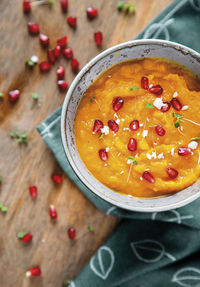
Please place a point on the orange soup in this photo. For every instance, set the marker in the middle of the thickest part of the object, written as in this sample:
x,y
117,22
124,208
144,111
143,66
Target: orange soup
x,y
137,127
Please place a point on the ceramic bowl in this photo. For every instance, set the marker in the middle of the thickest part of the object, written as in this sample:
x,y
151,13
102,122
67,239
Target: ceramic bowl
x,y
126,51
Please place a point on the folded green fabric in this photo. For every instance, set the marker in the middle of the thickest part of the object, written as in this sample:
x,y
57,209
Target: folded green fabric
x,y
147,250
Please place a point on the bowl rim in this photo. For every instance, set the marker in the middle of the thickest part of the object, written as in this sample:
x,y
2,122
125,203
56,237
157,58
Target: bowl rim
x,y
185,50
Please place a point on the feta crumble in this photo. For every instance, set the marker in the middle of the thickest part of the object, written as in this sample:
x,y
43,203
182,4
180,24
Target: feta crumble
x,y
145,133
122,172
172,151
118,121
160,155
154,154
151,85
141,178
193,145
184,108
107,149
158,103
105,130
141,125
175,95
34,59
129,161
148,155
122,120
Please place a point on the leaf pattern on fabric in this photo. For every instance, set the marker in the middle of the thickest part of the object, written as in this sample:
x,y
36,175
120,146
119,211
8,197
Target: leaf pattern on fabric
x,y
187,277
195,5
156,29
171,216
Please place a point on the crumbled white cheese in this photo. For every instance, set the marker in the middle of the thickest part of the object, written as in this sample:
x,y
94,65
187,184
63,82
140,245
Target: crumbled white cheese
x,y
141,125
122,120
129,195
148,155
34,59
115,115
118,121
161,155
155,143
145,133
105,164
150,85
107,149
115,135
105,130
141,178
147,119
175,95
172,151
129,161
125,129
181,128
122,172
119,154
184,108
154,154
158,103
136,155
138,134
193,144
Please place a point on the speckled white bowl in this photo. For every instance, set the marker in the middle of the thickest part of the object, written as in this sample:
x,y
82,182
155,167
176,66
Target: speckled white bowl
x,y
126,51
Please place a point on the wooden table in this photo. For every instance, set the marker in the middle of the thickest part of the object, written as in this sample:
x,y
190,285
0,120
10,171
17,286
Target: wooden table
x,y
59,257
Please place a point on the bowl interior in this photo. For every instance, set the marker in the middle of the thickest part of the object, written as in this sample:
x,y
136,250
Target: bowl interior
x,y
127,51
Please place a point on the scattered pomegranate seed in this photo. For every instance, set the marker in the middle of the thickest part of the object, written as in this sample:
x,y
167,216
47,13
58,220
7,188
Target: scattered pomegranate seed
x,y
103,154
57,178
33,191
62,85
134,125
98,37
184,151
117,104
64,5
72,21
68,53
52,212
176,104
113,126
165,107
14,95
62,42
27,238
132,144
60,72
33,28
26,6
45,66
148,176
51,56
35,271
72,233
91,13
98,125
160,130
57,52
157,90
44,40
145,83
172,172
75,65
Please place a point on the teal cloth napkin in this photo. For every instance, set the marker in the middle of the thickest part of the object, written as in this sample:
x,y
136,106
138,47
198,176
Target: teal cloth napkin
x,y
147,250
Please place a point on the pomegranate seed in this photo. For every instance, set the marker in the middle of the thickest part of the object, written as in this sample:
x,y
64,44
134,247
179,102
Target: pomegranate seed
x,y
157,90
160,130
184,151
98,125
145,83
75,65
113,125
165,107
51,56
44,40
27,238
68,53
45,66
52,212
91,13
72,21
62,42
103,154
26,6
64,5
57,178
60,72
72,233
33,28
62,85
172,172
33,191
98,37
132,144
35,271
148,176
14,95
57,51
176,104
134,125
117,104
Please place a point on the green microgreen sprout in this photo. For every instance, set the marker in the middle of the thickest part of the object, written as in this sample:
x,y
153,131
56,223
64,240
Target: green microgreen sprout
x,y
153,126
51,3
1,96
3,208
1,179
23,138
133,159
195,139
129,9
93,98
101,136
149,106
91,228
29,63
14,135
178,118
20,235
120,5
131,88
35,96
67,283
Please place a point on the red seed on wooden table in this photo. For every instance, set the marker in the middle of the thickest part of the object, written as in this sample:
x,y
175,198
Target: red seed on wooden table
x,y
57,51
176,104
72,233
134,125
51,56
33,28
44,40
157,90
60,72
64,5
33,272
113,126
72,21
45,66
103,154
53,212
33,191
183,151
68,53
26,6
62,42
75,65
172,173
117,104
14,95
63,85
145,83
166,106
98,37
57,178
132,144
27,238
148,176
98,125
160,130
91,13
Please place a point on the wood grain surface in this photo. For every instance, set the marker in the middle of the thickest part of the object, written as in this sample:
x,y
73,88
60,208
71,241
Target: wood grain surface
x,y
59,257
